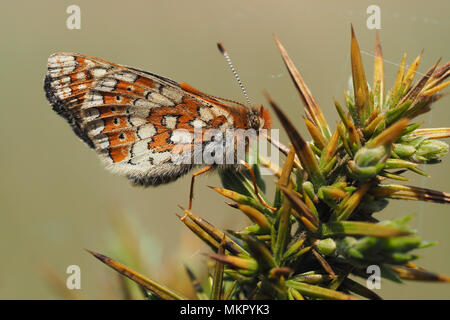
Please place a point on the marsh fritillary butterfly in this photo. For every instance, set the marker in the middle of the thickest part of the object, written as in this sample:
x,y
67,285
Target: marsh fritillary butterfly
x,y
134,119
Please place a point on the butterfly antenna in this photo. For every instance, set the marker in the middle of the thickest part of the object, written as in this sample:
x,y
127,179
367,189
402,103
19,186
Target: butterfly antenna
x,y
230,64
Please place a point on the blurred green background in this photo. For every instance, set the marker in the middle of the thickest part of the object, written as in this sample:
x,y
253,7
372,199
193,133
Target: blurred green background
x,y
55,197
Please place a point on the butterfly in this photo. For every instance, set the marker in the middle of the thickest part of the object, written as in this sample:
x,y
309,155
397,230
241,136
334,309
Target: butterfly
x,y
133,118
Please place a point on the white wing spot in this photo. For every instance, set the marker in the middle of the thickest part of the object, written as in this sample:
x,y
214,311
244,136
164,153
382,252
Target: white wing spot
x,y
170,122
146,131
197,123
137,121
160,157
101,141
220,112
98,72
58,59
145,103
159,99
57,72
139,147
64,93
80,76
206,114
94,99
125,76
107,84
182,136
173,94
60,82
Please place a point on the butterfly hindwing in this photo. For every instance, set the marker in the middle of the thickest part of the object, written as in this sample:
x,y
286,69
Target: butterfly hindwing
x,y
130,117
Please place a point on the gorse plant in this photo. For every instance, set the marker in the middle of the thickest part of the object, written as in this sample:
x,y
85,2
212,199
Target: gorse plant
x,y
324,228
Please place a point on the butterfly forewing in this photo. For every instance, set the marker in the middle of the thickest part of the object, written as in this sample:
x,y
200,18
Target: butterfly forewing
x,y
130,117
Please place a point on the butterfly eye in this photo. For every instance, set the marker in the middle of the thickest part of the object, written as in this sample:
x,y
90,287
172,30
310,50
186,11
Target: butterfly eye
x,y
253,120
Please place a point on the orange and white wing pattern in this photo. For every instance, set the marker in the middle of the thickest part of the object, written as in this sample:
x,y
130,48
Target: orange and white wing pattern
x,y
129,116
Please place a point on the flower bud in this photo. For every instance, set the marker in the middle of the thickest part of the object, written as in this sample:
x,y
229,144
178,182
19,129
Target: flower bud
x,y
404,151
421,149
308,188
430,151
326,246
368,162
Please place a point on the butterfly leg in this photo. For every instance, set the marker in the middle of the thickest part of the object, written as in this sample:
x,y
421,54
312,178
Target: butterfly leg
x,y
255,186
199,172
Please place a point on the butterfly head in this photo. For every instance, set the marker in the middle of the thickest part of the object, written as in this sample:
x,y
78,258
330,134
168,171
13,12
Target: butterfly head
x,y
259,118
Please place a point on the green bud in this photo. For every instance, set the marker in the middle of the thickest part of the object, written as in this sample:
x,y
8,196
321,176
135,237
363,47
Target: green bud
x,y
402,244
308,188
331,193
404,151
326,246
430,151
420,149
368,162
366,157
379,250
252,229
401,258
